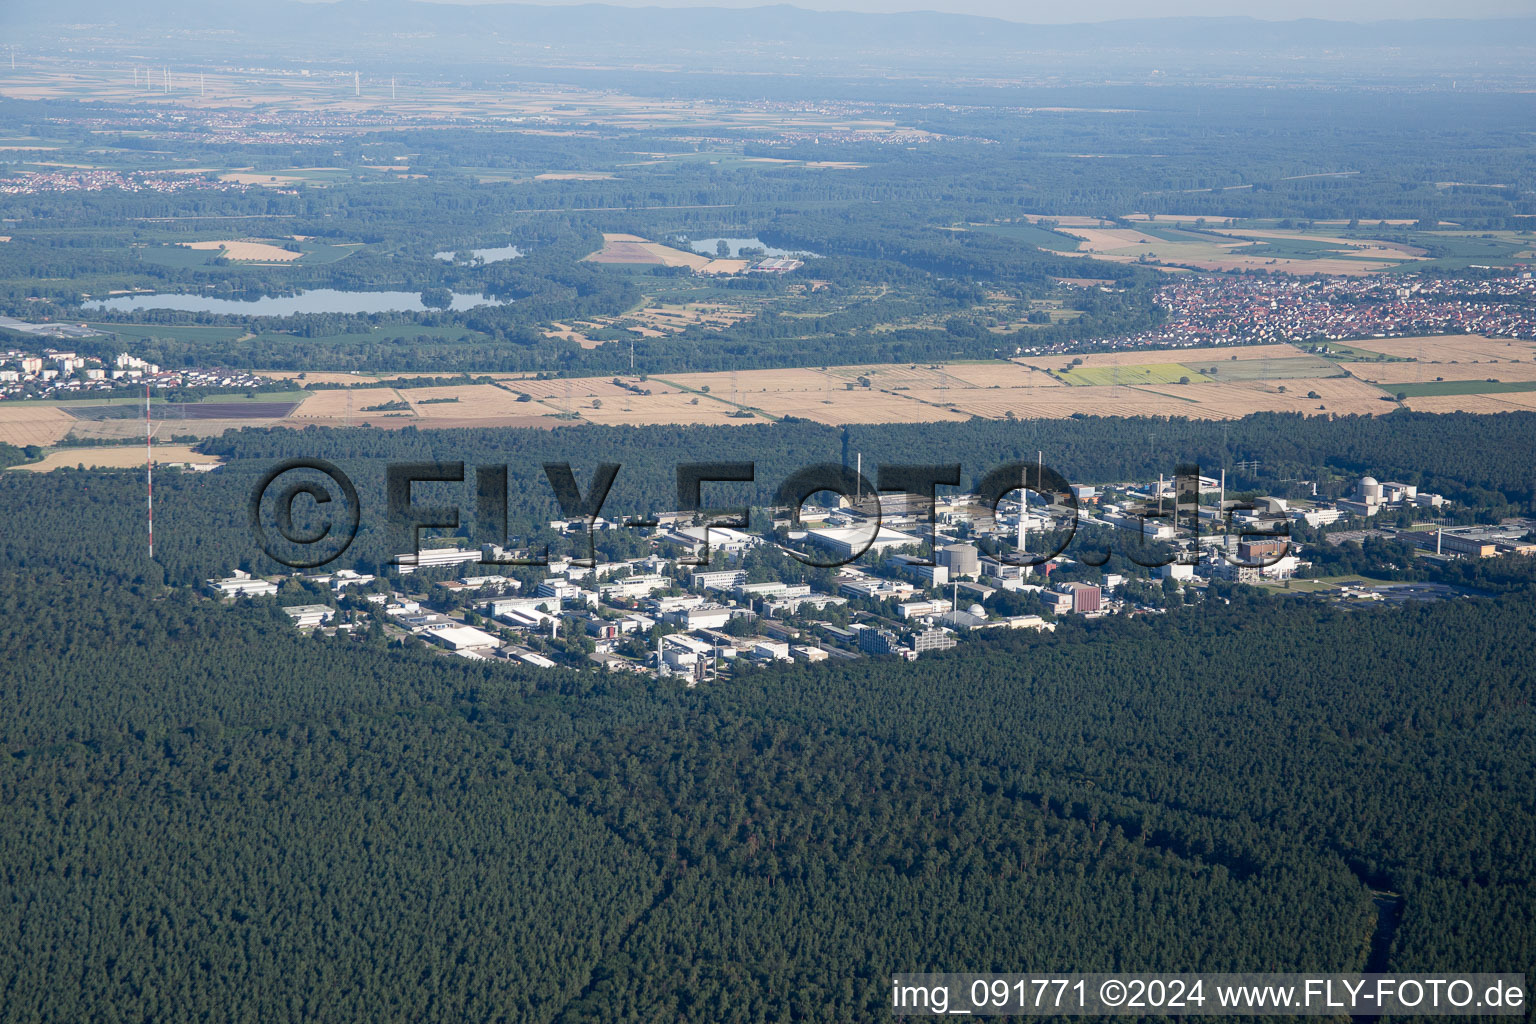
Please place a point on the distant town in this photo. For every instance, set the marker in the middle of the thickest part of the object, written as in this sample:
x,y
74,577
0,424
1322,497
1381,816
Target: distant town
x,y
59,373
1210,309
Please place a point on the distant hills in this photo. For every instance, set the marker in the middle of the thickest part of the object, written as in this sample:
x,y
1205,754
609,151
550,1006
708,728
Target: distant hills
x,y
754,38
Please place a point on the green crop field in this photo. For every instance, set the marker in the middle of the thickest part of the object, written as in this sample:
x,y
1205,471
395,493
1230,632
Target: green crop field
x,y
178,331
317,252
178,256
1030,234
1150,373
1294,368
1339,352
1429,388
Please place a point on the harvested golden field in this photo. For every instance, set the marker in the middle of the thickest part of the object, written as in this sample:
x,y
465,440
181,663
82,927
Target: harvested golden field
x,y
754,382
334,404
673,407
1448,348
674,318
946,375
1514,402
1232,248
1214,356
573,176
564,332
1061,402
633,249
112,430
576,387
470,401
861,406
243,250
1364,247
1387,374
24,423
119,457
1067,222
1215,400
1131,243
1517,399
242,178
1224,399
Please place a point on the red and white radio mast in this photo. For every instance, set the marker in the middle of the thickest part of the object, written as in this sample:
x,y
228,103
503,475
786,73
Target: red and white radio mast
x,y
149,469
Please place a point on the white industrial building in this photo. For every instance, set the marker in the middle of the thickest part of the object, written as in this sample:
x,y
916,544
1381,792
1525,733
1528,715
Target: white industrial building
x,y
718,579
850,540
463,638
241,584
307,616
429,558
633,586
706,617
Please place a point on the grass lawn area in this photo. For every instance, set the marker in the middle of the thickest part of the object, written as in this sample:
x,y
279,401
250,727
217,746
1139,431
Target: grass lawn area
x,y
1424,389
176,331
1339,352
317,252
1030,234
382,333
1299,586
1292,368
1149,373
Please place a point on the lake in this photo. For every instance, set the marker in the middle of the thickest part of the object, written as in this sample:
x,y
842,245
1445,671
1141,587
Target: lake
x,y
505,252
316,300
710,245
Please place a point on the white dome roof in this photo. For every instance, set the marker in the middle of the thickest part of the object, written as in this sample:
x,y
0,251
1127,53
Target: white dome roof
x,y
978,611
1368,481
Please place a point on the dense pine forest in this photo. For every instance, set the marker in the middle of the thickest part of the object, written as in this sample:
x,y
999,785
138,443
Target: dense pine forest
x,y
223,820
210,816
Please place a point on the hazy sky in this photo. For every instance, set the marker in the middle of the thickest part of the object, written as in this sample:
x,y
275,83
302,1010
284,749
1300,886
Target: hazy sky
x,y
1052,11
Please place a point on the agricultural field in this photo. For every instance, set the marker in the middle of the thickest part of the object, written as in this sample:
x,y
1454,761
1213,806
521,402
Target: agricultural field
x,y
1429,389
1148,373
1283,368
1224,383
1269,377
1031,234
670,407
318,177
1241,248
1520,401
1449,349
1218,244
119,456
24,423
264,252
469,400
751,383
1190,356
656,318
247,250
632,250
728,160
